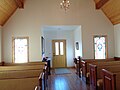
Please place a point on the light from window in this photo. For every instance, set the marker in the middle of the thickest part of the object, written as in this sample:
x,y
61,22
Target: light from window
x,y
56,48
20,50
61,48
100,47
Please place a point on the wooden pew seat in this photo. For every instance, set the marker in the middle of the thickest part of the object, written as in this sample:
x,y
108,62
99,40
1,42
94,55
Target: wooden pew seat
x,y
24,64
22,76
32,67
19,80
19,83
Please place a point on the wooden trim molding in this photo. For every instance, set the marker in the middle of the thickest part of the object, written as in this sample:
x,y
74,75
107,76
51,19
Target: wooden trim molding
x,y
101,3
20,3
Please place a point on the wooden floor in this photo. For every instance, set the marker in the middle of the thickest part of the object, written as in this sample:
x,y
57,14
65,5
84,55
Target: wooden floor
x,y
66,82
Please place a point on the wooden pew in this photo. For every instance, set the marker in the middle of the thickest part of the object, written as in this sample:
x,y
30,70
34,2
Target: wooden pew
x,y
19,80
45,71
111,79
85,67
23,64
95,72
77,62
117,58
2,63
79,66
29,63
42,81
24,73
16,68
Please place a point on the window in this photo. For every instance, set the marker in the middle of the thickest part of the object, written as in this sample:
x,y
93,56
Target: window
x,y
56,48
20,50
59,48
100,50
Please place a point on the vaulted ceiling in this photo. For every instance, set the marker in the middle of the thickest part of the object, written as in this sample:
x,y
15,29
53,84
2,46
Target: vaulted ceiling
x,y
7,8
111,8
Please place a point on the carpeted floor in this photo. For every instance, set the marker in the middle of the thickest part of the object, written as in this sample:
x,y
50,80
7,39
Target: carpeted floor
x,y
62,71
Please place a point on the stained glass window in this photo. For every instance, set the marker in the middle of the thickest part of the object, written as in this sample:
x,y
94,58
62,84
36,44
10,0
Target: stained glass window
x,y
100,47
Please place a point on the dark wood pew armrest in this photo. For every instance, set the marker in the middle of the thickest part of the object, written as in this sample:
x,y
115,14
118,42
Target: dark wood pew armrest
x,y
109,80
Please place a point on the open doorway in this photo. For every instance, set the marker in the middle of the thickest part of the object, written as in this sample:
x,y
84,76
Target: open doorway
x,y
71,34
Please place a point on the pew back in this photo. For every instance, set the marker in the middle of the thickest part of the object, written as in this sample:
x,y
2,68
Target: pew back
x,y
19,79
77,62
21,76
14,68
111,80
85,66
95,72
24,64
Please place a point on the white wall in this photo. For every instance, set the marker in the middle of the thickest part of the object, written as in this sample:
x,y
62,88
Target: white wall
x,y
68,35
78,38
0,42
37,13
117,39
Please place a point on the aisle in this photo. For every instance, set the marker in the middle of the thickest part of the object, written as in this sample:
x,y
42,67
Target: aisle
x,y
66,81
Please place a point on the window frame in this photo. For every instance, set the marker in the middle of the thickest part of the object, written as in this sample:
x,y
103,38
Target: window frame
x,y
106,45
13,47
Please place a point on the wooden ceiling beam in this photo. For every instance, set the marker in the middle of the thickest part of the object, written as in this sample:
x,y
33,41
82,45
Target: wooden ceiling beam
x,y
101,3
20,3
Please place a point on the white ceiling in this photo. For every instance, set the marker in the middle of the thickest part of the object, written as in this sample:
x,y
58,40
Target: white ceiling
x,y
62,27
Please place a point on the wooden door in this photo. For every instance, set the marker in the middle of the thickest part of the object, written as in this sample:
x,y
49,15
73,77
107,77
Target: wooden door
x,y
59,53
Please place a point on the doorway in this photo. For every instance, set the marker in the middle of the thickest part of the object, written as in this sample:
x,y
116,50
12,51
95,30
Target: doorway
x,y
71,34
59,53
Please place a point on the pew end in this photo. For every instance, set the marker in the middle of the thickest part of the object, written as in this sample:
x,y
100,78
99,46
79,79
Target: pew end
x,y
109,80
42,81
85,74
27,74
77,62
93,76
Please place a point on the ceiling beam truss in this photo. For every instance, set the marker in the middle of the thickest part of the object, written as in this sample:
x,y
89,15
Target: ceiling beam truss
x,y
101,3
20,3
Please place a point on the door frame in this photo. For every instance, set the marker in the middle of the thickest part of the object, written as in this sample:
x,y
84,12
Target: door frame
x,y
64,52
